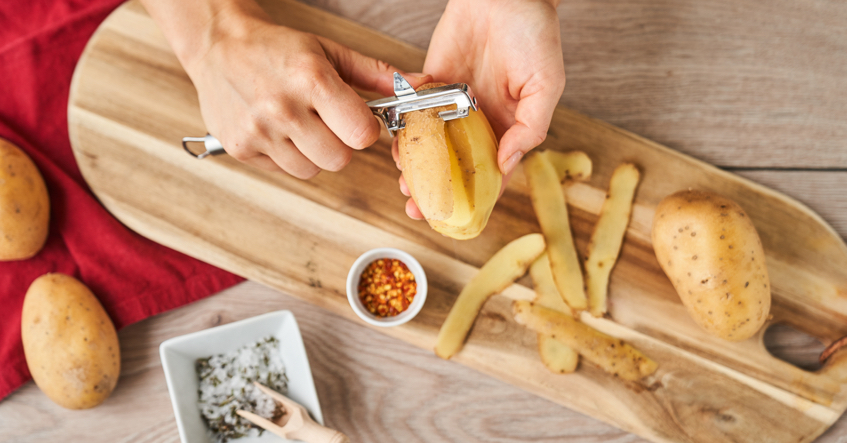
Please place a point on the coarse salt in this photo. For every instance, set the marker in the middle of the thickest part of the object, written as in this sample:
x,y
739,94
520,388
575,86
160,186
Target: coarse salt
x,y
226,385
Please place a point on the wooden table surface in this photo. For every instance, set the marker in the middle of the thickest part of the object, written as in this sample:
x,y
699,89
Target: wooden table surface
x,y
757,88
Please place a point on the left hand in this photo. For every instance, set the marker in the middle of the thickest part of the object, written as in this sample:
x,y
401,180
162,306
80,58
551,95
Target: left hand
x,y
510,52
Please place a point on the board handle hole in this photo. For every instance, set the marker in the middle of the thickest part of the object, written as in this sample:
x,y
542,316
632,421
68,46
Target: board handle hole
x,y
793,346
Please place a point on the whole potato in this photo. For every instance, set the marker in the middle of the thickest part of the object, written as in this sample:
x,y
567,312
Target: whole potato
x,y
450,169
710,250
24,205
70,343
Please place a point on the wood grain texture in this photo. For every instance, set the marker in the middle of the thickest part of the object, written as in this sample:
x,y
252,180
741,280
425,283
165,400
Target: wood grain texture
x,y
698,77
131,103
373,387
734,83
825,192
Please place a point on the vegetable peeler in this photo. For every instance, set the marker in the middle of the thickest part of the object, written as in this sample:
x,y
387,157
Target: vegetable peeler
x,y
390,110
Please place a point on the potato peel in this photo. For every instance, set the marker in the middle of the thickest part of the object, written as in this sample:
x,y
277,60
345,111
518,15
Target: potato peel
x,y
548,200
499,272
571,165
607,239
611,354
557,357
425,160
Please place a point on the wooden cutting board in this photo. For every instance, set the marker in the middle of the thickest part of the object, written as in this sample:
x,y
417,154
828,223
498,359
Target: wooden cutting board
x,y
131,103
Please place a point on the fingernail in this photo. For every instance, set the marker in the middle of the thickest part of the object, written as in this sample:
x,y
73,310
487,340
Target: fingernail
x,y
417,75
510,164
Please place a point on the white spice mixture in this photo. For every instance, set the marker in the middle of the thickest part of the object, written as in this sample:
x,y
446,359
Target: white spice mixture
x,y
226,385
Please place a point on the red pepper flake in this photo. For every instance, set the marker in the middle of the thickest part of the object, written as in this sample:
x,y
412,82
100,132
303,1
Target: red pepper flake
x,y
387,287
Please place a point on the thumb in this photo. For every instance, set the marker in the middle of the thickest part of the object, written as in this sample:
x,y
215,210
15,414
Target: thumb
x,y
415,79
532,119
366,73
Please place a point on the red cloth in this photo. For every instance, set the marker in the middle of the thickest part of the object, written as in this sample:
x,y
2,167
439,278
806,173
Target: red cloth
x,y
134,278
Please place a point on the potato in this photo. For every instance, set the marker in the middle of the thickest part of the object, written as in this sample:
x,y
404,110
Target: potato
x,y
425,159
70,343
499,272
710,250
24,205
451,169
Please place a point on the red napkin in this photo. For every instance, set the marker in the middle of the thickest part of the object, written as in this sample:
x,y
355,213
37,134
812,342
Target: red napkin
x,y
134,278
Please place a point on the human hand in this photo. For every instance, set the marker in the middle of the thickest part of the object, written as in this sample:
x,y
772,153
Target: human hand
x,y
510,52
278,98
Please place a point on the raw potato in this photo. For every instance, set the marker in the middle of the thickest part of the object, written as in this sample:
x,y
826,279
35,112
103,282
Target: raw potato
x,y
548,199
606,241
710,250
451,169
558,358
611,354
70,343
425,159
501,270
24,205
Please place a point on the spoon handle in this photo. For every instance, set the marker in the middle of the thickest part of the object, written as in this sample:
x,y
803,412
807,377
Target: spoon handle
x,y
312,432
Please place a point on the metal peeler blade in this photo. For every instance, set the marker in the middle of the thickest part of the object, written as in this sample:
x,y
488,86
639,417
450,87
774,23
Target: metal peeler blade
x,y
391,109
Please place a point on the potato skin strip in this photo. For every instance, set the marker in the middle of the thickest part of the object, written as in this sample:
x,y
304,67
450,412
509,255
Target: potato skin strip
x,y
557,357
548,200
606,241
499,272
571,165
611,354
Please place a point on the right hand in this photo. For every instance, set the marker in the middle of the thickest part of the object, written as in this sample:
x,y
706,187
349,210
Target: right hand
x,y
278,98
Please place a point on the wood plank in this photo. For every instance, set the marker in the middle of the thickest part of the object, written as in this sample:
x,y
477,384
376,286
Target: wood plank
x,y
823,191
131,104
386,390
734,83
372,387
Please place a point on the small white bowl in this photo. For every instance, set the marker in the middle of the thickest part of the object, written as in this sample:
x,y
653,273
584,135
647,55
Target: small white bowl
x,y
353,286
179,354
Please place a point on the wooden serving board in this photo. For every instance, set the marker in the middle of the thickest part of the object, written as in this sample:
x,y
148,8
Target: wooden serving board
x,y
131,103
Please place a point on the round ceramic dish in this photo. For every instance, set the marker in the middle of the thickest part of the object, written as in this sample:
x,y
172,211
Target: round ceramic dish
x,y
353,282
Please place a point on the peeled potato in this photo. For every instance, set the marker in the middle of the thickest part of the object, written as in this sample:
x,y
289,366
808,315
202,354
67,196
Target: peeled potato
x,y
24,205
70,343
710,250
451,169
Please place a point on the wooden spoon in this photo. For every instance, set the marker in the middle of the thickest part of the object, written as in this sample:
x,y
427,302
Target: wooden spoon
x,y
295,423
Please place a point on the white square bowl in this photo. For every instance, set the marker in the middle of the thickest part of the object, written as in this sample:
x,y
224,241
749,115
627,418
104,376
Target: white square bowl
x,y
180,353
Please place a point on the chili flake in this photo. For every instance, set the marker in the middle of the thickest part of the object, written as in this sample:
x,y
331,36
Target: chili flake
x,y
387,287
